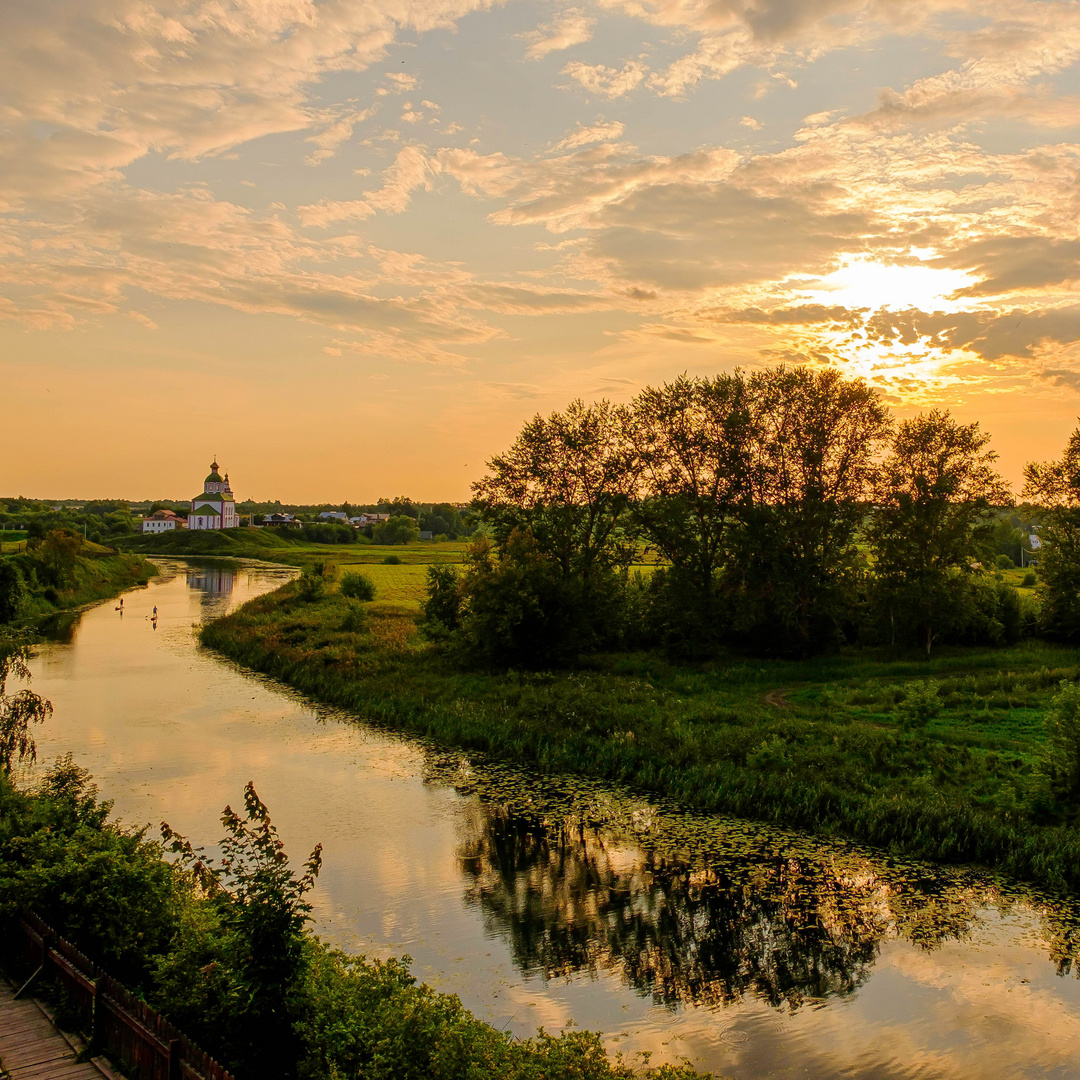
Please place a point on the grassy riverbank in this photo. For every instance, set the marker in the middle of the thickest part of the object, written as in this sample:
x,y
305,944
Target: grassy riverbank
x,y
832,744
92,573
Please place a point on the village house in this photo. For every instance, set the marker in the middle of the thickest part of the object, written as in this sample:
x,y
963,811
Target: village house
x,y
162,521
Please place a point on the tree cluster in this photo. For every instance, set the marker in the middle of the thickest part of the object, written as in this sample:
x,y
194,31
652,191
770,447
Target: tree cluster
x,y
786,510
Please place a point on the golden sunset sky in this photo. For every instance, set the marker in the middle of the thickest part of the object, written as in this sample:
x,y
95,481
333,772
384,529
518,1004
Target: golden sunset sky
x,y
349,246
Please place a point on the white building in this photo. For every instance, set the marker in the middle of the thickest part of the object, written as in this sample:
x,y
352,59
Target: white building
x,y
162,521
215,508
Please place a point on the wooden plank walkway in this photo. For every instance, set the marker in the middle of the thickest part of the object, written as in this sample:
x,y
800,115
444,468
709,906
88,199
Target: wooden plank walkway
x,y
31,1048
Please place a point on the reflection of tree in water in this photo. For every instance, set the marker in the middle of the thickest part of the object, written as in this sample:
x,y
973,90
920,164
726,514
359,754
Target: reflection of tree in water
x,y
785,928
573,903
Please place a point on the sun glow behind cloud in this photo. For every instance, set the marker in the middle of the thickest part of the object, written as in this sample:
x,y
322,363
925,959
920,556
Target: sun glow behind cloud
x,y
862,282
911,368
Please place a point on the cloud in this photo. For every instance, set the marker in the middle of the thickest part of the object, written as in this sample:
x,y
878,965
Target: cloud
x,y
339,130
605,81
89,87
570,27
1069,379
582,136
412,170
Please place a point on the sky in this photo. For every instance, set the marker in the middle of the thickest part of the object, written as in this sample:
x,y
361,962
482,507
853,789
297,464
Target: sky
x,y
349,247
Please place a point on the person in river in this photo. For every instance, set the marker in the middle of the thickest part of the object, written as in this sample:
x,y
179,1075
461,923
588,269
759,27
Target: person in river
x,y
155,611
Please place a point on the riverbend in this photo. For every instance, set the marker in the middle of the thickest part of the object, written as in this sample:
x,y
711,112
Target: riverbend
x,y
755,952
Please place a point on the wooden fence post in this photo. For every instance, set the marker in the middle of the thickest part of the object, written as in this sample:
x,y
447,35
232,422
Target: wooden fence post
x,y
97,1023
46,943
176,1056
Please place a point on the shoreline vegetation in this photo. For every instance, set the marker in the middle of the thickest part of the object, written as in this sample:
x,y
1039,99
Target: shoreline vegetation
x,y
845,745
831,635
223,949
62,573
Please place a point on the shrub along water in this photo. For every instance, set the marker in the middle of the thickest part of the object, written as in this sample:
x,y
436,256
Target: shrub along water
x,y
858,744
63,571
225,951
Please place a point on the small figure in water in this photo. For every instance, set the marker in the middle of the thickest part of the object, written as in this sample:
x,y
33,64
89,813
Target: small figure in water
x,y
121,603
155,611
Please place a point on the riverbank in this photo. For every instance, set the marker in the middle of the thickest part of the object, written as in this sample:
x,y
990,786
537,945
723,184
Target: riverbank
x,y
90,574
833,745
237,969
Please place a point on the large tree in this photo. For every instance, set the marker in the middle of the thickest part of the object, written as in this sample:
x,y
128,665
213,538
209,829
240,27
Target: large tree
x,y
567,480
933,526
814,464
692,440
1054,487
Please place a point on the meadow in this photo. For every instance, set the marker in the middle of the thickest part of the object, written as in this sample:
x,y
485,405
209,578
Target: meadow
x,y
935,758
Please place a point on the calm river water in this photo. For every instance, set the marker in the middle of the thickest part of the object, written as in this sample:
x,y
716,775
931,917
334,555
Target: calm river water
x,y
753,952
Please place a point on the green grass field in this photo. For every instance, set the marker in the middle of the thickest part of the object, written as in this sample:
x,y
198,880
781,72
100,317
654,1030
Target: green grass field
x,y
824,744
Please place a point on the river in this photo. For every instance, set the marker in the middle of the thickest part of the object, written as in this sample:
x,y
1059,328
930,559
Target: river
x,y
752,951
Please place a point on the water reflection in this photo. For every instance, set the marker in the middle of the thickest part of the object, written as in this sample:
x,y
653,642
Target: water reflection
x,y
787,928
757,952
212,581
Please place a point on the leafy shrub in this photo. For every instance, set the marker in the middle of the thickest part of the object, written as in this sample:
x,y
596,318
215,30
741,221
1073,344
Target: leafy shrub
x,y
314,579
1005,563
13,593
107,887
51,595
257,942
357,586
442,608
1061,756
921,705
520,610
356,621
1030,580
392,560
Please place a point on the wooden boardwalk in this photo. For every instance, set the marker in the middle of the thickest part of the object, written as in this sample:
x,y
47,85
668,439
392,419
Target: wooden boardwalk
x,y
31,1048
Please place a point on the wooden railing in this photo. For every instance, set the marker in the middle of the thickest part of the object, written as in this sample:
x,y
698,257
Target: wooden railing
x,y
118,1024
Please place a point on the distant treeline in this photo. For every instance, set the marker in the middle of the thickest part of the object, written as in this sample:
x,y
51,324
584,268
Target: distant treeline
x,y
789,512
104,520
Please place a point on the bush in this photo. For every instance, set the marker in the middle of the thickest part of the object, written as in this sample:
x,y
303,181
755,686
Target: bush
x,y
1061,756
357,587
520,610
1030,580
13,592
356,621
921,705
442,608
313,580
1005,563
392,560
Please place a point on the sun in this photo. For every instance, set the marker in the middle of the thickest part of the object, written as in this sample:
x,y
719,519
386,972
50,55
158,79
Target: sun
x,y
861,282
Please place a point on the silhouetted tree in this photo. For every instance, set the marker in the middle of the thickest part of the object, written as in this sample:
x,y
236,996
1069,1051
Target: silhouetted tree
x,y
933,526
794,562
1054,486
692,441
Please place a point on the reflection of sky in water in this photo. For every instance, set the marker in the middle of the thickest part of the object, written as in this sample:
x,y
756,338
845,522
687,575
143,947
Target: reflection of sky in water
x,y
668,932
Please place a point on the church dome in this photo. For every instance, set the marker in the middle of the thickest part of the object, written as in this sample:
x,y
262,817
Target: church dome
x,y
215,476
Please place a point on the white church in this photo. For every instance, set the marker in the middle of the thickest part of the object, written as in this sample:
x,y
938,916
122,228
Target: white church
x,y
215,508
